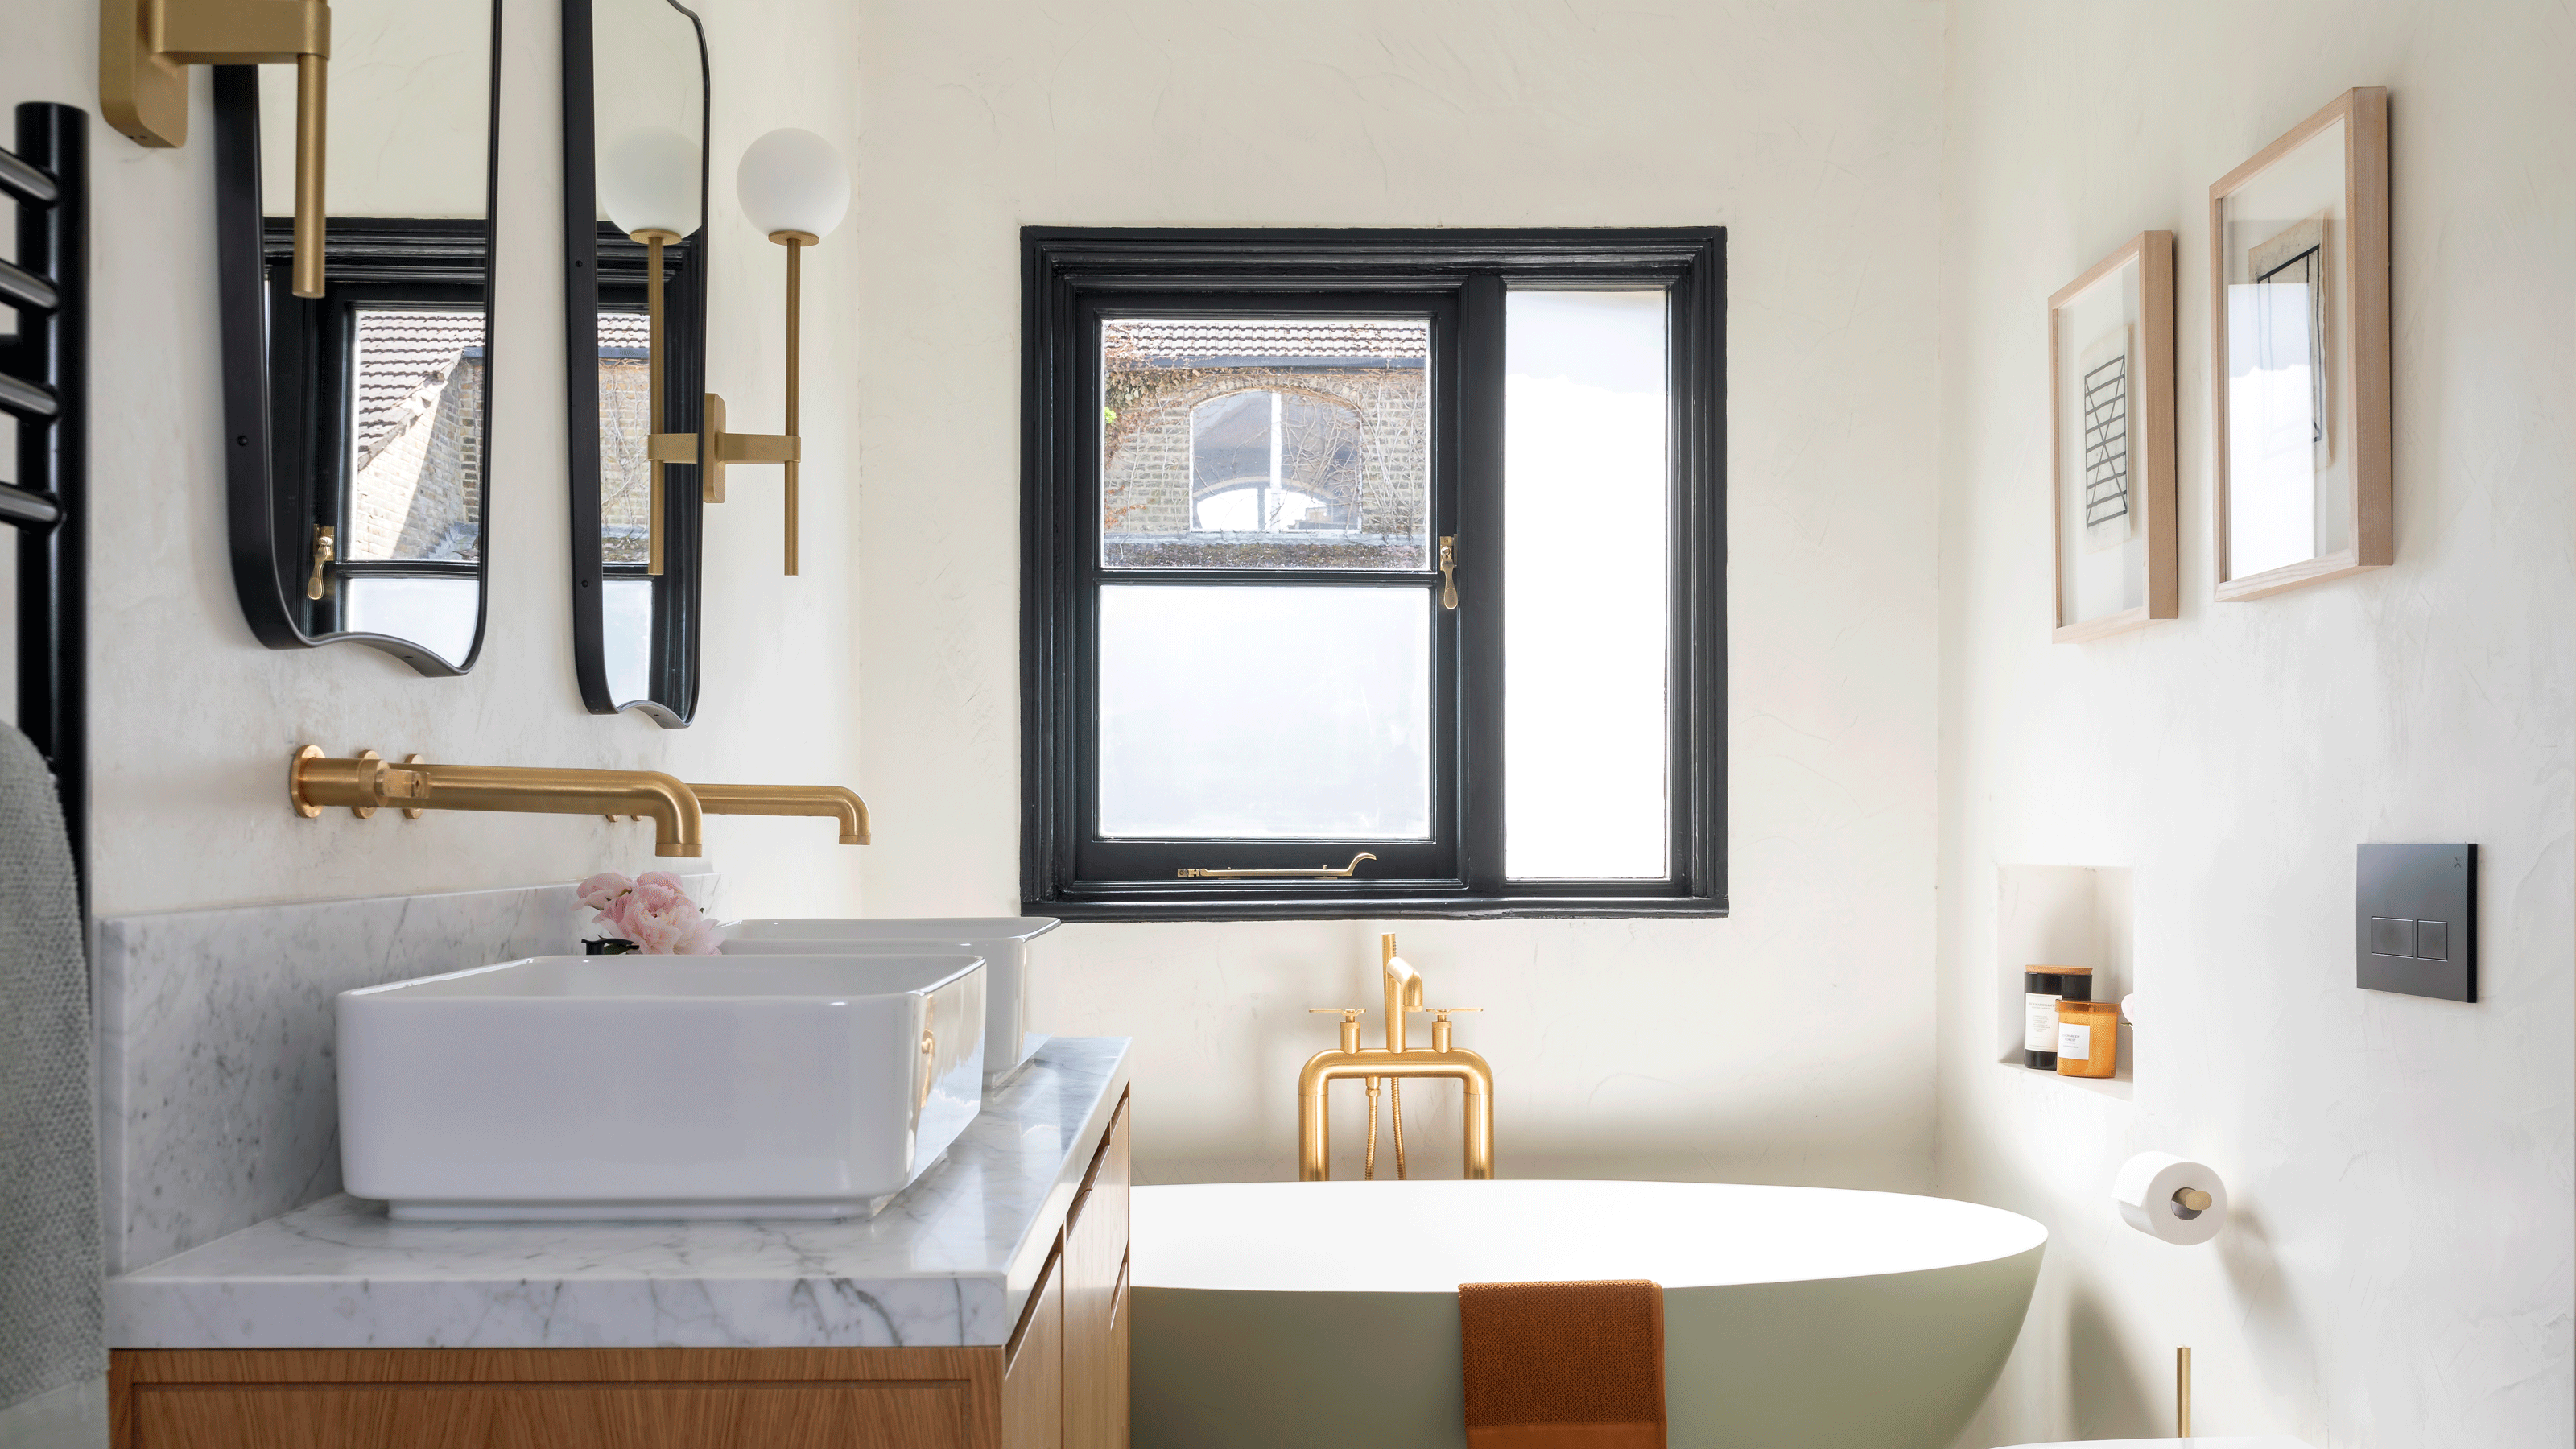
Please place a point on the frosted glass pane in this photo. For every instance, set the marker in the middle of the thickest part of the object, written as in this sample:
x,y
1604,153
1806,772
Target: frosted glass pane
x,y
1586,598
1265,713
437,614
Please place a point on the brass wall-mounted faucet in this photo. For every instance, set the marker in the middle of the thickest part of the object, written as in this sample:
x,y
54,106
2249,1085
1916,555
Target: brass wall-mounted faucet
x,y
1395,1061
828,801
366,784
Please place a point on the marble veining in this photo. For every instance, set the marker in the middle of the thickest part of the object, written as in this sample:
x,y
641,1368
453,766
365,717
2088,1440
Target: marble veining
x,y
218,1098
950,1261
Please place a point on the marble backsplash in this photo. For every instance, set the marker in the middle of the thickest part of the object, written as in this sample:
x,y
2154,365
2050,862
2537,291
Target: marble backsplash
x,y
218,1095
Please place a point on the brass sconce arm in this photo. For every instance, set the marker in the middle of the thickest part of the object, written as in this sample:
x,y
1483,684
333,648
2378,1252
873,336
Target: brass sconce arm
x,y
827,801
146,46
365,784
713,449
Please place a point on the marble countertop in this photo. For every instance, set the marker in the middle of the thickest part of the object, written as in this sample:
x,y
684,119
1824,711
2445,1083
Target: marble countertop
x,y
949,1262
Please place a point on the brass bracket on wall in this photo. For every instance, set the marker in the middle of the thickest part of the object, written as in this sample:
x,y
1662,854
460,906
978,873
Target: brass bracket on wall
x,y
146,46
725,449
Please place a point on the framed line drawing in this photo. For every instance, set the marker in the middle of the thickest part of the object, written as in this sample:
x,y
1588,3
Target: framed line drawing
x,y
2111,408
2299,325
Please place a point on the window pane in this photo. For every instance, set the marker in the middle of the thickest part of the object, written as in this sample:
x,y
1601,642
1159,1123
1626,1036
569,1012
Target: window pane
x,y
625,426
1586,597
1265,713
1265,443
437,614
416,475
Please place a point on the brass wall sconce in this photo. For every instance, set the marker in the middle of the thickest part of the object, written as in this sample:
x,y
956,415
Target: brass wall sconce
x,y
794,188
146,46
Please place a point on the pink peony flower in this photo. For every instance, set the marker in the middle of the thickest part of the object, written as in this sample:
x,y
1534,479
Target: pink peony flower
x,y
598,891
654,912
704,938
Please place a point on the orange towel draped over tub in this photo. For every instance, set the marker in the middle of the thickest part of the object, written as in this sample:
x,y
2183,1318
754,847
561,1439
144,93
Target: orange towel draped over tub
x,y
1563,1365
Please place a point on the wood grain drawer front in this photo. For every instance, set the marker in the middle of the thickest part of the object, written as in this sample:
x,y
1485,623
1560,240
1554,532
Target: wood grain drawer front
x,y
1033,1383
1095,1330
1109,1183
890,1415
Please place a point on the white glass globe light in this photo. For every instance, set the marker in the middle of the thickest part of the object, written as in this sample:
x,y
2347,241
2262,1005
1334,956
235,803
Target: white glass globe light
x,y
648,181
793,181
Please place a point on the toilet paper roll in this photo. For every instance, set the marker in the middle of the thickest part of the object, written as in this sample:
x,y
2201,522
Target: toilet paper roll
x,y
2147,1191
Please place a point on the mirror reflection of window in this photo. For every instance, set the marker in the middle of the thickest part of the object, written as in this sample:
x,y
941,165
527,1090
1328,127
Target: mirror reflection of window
x,y
416,468
625,427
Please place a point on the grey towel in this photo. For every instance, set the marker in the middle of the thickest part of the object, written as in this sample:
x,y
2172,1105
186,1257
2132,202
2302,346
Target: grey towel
x,y
52,1323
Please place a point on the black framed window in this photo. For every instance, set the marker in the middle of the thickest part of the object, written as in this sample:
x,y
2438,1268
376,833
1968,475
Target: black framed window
x,y
1373,573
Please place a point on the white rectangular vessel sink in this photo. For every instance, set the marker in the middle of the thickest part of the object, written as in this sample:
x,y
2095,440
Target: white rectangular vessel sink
x,y
1003,942
625,1087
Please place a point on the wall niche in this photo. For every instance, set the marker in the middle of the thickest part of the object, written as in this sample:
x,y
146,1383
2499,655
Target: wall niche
x,y
2064,915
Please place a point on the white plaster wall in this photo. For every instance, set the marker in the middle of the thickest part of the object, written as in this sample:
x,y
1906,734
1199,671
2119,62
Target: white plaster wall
x,y
192,721
2398,1271
1787,1042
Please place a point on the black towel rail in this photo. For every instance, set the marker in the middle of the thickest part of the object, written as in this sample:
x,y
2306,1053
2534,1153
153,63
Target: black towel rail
x,y
44,384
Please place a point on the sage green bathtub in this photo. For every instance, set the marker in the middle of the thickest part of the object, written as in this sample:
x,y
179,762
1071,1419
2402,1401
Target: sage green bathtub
x,y
1794,1318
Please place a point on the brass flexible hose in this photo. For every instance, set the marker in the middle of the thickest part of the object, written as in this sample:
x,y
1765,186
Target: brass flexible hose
x,y
1395,1110
1368,1160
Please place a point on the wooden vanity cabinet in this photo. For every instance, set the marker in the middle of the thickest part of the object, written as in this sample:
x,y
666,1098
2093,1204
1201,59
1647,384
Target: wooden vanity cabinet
x,y
1095,1302
1060,1383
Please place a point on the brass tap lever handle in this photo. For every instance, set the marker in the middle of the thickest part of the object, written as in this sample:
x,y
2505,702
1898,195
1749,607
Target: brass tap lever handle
x,y
1321,872
1353,1012
325,550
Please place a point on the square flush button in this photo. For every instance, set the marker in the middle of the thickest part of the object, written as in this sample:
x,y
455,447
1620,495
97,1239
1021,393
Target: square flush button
x,y
2415,920
2390,936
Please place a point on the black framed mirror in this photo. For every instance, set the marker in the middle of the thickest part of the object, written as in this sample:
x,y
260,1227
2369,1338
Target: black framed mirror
x,y
358,422
635,93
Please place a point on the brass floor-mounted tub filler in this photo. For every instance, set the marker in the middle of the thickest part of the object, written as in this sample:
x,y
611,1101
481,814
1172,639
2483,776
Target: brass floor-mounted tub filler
x,y
1395,1062
366,783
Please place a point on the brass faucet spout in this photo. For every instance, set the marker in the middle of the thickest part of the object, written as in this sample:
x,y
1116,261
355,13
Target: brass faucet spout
x,y
365,784
828,801
1470,1071
1403,990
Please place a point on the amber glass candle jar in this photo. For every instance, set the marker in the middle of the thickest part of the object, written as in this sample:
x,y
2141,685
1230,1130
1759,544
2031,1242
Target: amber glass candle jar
x,y
2088,1038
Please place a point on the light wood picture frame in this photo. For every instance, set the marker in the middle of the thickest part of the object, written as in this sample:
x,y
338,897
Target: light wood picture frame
x,y
2300,355
2111,398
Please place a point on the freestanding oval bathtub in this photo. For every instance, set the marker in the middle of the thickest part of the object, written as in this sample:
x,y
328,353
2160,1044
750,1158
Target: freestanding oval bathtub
x,y
1306,1313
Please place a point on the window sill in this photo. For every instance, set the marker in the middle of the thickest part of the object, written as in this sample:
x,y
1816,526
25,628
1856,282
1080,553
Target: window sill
x,y
1157,904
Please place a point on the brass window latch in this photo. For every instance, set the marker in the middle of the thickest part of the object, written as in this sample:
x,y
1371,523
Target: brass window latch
x,y
1321,872
1449,571
325,549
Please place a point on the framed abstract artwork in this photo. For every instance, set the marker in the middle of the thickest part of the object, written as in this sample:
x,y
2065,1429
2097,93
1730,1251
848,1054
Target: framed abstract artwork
x,y
2111,402
2299,325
